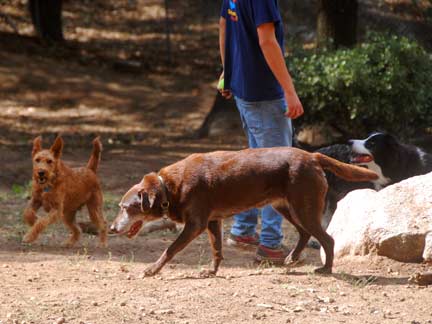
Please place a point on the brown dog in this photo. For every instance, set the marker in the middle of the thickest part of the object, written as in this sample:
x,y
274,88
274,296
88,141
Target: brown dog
x,y
61,191
202,189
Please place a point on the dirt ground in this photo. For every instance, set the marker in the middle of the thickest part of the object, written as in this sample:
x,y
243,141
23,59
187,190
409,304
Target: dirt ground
x,y
146,119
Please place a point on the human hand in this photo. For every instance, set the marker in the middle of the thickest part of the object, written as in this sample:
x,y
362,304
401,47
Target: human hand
x,y
295,107
226,93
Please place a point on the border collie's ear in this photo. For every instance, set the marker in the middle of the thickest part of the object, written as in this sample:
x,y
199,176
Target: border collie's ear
x,y
37,145
391,140
57,147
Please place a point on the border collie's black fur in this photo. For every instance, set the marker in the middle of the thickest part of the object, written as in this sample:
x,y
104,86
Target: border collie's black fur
x,y
394,161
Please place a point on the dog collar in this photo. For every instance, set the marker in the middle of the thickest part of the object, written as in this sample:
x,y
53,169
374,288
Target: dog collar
x,y
165,203
47,189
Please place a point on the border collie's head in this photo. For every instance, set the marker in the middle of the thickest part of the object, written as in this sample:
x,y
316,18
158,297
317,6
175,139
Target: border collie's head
x,y
377,147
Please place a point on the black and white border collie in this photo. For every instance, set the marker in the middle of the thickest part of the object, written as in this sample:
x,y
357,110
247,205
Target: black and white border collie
x,y
381,152
390,159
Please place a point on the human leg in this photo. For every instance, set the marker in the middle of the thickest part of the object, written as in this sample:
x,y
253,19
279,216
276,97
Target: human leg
x,y
273,129
243,230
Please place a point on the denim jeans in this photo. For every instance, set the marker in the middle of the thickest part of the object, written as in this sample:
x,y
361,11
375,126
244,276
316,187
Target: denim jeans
x,y
265,125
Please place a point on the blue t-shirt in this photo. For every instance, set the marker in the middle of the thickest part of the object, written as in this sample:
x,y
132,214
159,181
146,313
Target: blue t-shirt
x,y
247,73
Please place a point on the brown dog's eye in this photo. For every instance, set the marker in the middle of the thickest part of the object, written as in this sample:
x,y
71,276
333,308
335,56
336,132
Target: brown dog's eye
x,y
49,161
37,160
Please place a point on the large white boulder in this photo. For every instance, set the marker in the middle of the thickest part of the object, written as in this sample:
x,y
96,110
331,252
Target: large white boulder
x,y
395,222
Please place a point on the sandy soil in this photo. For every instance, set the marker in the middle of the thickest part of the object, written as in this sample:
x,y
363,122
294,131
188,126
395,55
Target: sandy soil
x,y
46,283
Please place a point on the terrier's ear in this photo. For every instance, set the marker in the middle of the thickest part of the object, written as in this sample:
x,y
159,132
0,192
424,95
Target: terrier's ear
x,y
37,145
57,147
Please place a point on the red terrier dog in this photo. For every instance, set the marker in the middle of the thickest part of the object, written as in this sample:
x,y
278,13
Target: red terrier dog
x,y
62,191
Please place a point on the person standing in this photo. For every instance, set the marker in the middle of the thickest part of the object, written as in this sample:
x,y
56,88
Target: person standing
x,y
251,46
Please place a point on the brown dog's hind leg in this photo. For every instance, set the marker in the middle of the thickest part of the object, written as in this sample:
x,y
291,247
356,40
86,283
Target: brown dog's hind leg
x,y
69,221
94,207
304,236
327,243
309,212
190,231
214,230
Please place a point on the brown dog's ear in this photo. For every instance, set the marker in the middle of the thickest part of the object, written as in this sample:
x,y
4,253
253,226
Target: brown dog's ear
x,y
148,191
57,147
147,199
37,145
151,198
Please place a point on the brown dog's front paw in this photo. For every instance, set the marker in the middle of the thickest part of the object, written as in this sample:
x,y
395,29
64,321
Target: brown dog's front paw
x,y
69,243
102,245
150,271
103,242
291,261
207,273
323,270
28,238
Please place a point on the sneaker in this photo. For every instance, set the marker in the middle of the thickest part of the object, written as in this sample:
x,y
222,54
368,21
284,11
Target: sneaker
x,y
274,255
243,242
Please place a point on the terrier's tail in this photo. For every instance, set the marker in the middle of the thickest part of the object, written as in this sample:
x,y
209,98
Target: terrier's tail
x,y
93,162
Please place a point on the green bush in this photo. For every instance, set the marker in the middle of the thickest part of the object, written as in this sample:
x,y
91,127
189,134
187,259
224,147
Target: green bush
x,y
384,83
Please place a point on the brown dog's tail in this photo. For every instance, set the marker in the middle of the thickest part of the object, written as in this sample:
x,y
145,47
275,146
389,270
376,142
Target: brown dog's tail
x,y
345,171
93,162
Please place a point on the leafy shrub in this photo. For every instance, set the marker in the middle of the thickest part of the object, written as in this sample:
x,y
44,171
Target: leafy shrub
x,y
384,83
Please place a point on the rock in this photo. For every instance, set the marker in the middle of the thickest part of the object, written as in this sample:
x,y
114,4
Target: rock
x,y
265,306
60,320
421,279
395,222
427,252
159,225
326,300
164,311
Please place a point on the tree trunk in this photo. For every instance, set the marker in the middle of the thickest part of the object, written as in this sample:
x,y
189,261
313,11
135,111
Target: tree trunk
x,y
46,16
222,120
337,23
